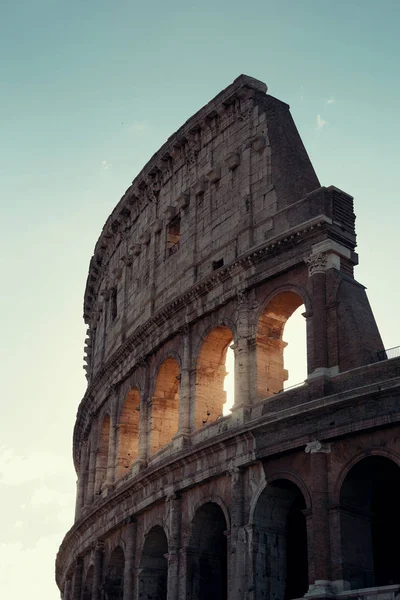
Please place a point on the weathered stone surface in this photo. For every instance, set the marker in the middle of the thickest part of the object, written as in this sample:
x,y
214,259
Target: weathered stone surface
x,y
220,238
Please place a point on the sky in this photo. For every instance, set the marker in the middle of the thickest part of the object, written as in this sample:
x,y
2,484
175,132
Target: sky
x,y
89,90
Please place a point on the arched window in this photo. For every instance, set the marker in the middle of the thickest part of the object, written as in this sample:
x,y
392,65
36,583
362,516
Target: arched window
x,y
114,576
210,375
272,361
165,405
207,555
102,454
280,543
370,523
153,576
128,432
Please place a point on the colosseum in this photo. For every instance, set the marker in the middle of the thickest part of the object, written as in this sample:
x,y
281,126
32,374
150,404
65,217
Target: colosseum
x,y
290,492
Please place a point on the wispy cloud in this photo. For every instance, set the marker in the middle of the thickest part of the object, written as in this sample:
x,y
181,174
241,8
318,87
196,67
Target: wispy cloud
x,y
105,165
320,122
331,100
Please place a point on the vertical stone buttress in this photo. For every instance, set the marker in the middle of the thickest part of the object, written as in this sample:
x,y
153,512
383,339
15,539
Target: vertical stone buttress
x,y
80,484
184,400
317,272
78,576
237,556
175,521
112,442
242,352
98,570
320,551
141,459
130,551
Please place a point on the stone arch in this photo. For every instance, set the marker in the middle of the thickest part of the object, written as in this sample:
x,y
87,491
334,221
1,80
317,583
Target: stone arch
x,y
114,575
210,374
377,451
272,317
207,555
128,432
153,568
278,475
88,584
213,498
280,557
165,405
102,452
370,522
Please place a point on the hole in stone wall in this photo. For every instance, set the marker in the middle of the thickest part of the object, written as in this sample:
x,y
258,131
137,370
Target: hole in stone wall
x,y
272,372
128,432
217,264
114,576
229,381
102,454
165,405
173,236
153,578
210,375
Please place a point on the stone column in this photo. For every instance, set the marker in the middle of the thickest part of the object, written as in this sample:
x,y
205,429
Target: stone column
x,y
98,570
130,551
320,551
112,443
242,357
317,265
184,396
78,575
175,521
82,481
237,554
141,459
91,476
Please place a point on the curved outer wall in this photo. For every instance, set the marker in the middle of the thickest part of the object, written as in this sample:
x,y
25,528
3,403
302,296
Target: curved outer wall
x,y
224,233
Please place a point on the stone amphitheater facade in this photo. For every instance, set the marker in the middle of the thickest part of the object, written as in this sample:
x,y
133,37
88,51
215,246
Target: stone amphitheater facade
x,y
220,238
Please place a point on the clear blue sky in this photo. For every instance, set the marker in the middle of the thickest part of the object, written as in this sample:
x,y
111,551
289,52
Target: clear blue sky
x,y
89,90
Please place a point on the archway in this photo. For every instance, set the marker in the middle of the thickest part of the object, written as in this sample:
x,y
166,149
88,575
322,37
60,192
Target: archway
x,y
271,371
210,375
87,588
207,555
102,454
114,576
153,577
370,523
280,558
128,432
165,405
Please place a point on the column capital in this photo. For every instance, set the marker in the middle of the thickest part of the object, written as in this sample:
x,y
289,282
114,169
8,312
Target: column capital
x,y
317,263
317,446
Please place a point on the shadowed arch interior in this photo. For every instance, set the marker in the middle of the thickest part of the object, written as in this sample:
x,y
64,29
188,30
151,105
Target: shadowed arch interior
x,y
207,555
128,432
153,576
280,536
370,523
102,454
165,405
271,372
114,576
210,375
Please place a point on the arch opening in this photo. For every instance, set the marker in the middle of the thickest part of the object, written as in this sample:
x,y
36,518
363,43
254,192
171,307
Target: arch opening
x,y
128,432
165,405
102,454
282,315
87,588
153,578
280,543
211,376
207,572
114,576
370,523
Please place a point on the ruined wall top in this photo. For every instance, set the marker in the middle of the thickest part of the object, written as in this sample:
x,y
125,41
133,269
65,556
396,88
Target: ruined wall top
x,y
228,180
